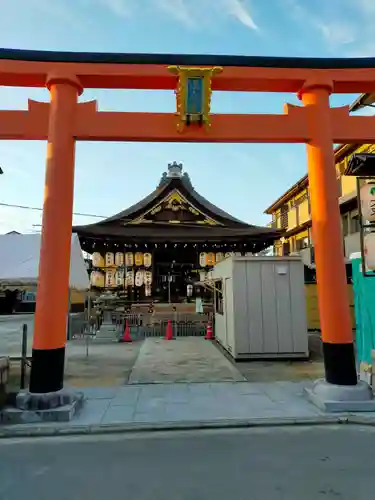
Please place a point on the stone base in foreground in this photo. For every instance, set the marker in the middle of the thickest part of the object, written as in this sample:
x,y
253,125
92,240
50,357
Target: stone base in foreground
x,y
341,398
58,406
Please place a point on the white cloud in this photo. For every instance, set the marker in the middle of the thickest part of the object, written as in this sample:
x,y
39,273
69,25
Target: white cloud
x,y
347,27
239,10
336,33
191,13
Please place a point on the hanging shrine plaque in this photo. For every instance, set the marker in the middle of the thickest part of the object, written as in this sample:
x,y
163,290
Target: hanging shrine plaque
x,y
147,257
138,259
129,259
202,259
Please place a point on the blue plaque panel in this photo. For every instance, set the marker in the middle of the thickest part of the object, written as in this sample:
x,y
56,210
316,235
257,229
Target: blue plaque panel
x,y
194,96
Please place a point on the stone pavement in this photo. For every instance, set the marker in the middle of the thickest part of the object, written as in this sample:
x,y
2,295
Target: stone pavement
x,y
178,406
186,359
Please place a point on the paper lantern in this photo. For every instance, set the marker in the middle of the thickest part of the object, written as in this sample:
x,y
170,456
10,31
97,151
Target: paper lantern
x,y
367,196
210,259
138,259
109,259
129,259
147,257
109,279
97,260
139,278
119,278
97,279
130,278
219,257
148,277
202,259
148,290
119,259
369,251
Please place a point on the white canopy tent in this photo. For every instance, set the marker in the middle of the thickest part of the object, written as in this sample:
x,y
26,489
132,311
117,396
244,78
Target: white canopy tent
x,y
19,261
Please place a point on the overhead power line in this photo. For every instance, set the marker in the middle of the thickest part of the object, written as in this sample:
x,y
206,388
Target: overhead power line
x,y
25,207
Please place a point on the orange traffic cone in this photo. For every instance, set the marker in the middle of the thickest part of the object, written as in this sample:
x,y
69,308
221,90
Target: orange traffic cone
x,y
126,337
209,332
168,331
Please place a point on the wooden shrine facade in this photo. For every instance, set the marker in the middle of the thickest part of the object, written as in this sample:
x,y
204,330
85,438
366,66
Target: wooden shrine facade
x,y
161,247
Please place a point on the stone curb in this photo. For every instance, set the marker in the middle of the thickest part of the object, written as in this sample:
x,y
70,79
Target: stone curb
x,y
74,430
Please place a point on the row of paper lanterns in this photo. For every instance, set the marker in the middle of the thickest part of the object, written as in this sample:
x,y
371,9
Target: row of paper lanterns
x,y
128,259
138,259
117,278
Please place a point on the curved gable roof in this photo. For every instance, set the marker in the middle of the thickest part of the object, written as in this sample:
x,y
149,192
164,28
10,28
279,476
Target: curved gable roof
x,y
166,185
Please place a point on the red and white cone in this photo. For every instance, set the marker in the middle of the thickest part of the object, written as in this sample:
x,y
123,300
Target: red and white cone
x,y
126,337
168,331
209,332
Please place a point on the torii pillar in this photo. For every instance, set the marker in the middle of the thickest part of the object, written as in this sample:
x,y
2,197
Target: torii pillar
x,y
341,383
48,352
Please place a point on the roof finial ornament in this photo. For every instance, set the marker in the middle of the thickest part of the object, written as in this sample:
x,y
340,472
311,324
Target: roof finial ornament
x,y
175,169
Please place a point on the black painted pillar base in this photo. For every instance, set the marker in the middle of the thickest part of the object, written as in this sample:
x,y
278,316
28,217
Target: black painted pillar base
x,y
339,364
47,370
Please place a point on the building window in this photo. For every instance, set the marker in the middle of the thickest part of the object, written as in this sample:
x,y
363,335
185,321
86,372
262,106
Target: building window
x,y
219,302
284,216
345,225
302,243
354,224
286,248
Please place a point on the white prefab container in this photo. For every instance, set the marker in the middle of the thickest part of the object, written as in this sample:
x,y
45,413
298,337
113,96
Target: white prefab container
x,y
261,312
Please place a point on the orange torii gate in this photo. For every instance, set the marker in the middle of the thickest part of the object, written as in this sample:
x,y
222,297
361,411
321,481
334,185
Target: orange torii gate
x,y
63,121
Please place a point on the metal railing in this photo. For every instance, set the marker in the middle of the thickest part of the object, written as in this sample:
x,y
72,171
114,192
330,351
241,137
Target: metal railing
x,y
143,325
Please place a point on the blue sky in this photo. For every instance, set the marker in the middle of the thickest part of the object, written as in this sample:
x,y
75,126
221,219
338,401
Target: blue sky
x,y
242,179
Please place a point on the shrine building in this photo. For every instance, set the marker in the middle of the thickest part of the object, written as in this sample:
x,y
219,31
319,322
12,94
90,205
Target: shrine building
x,y
161,247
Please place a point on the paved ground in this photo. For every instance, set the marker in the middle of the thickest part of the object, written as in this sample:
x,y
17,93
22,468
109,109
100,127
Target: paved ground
x,y
269,371
186,359
105,365
274,464
11,333
155,406
110,364
194,403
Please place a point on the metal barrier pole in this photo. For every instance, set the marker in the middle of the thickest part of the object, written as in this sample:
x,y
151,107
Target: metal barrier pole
x,y
88,336
23,356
